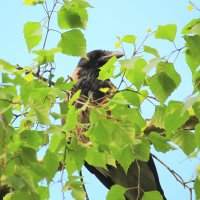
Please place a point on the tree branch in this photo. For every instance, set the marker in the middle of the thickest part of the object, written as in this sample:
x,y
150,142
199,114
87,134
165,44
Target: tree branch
x,y
176,175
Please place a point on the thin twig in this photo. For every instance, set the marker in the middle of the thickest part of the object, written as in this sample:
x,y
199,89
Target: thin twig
x,y
84,188
194,5
176,175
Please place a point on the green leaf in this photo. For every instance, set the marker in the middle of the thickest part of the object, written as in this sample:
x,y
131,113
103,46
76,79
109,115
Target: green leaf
x,y
33,2
129,39
126,98
72,16
6,66
73,43
32,139
175,116
152,51
71,119
62,85
185,140
76,186
192,52
45,56
152,195
158,116
197,135
116,192
25,176
96,158
191,101
142,150
51,163
101,130
28,157
134,70
166,32
42,112
196,29
107,70
160,143
4,106
44,192
197,188
165,81
77,191
125,158
188,28
74,97
32,34
196,81
196,108
152,63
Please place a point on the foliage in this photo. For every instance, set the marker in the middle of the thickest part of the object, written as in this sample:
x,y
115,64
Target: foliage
x,y
30,118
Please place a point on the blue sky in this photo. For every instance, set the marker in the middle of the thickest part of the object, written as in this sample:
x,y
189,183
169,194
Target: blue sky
x,y
108,19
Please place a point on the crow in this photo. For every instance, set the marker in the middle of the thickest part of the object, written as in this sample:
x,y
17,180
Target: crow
x,y
86,74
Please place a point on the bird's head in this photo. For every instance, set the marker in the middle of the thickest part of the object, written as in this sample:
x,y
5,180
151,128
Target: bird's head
x,y
97,58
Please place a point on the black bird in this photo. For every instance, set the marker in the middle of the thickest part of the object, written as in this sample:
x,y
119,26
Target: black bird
x,y
86,74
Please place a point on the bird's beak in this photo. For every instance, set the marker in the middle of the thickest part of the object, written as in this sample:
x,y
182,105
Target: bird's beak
x,y
110,54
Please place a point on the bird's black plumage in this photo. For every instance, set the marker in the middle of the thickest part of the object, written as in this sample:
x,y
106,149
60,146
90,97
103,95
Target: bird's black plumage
x,y
86,75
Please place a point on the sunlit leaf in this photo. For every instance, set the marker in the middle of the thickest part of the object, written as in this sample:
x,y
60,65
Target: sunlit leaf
x,y
196,108
42,112
127,97
73,43
152,63
117,44
29,77
45,56
185,140
167,32
190,7
197,135
72,16
126,158
107,70
196,29
72,116
165,81
152,51
116,192
142,150
51,163
96,158
6,66
149,30
192,52
189,102
104,90
32,34
160,143
197,188
188,28
134,70
175,116
129,39
158,116
152,195
33,2
76,186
